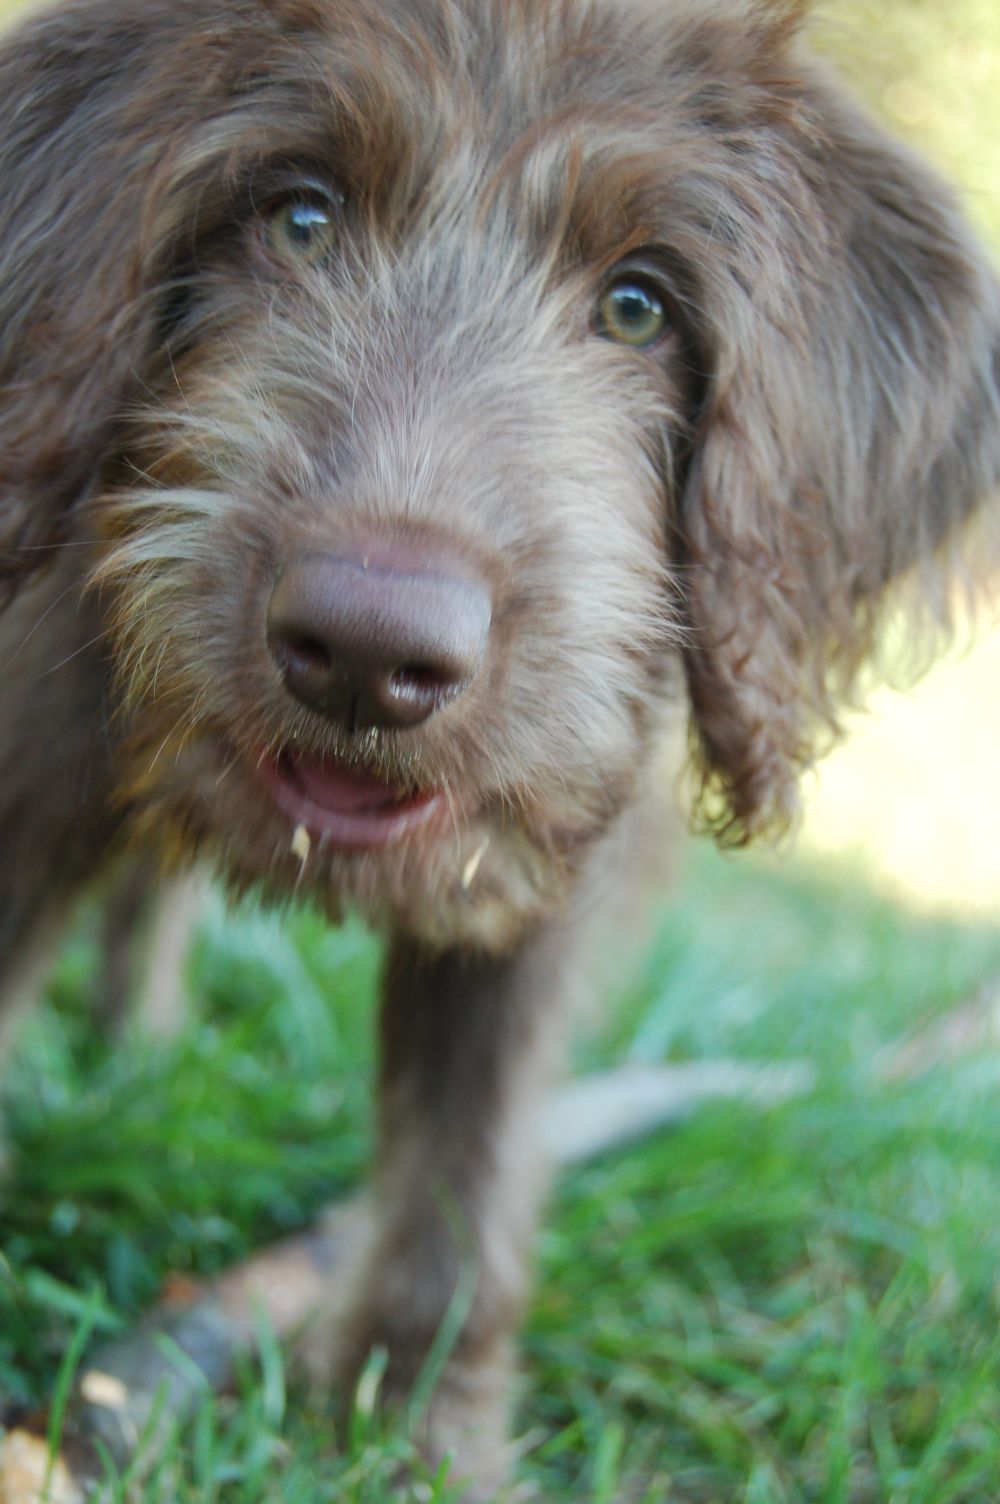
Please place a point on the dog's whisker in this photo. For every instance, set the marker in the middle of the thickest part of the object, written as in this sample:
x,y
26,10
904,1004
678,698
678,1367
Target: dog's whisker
x,y
82,648
36,626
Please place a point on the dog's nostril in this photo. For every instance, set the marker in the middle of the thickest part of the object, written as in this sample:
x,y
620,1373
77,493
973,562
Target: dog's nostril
x,y
417,682
305,654
382,641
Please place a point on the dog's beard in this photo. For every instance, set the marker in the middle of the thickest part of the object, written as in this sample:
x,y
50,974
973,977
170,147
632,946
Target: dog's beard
x,y
478,874
503,838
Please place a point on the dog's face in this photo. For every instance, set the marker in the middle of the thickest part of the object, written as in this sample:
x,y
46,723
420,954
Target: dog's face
x,y
439,378
423,328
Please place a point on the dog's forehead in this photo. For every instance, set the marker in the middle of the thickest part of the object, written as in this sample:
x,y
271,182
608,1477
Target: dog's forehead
x,y
517,60
421,101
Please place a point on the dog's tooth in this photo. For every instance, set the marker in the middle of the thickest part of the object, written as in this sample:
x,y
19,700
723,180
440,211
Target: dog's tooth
x,y
473,865
301,844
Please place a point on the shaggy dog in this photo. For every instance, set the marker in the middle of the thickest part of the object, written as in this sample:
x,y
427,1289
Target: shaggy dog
x,y
405,407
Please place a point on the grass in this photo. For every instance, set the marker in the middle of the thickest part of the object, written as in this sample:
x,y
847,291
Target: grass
x,y
795,1306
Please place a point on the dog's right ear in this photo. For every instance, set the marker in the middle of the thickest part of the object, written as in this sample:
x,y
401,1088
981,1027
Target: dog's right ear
x,y
849,446
94,98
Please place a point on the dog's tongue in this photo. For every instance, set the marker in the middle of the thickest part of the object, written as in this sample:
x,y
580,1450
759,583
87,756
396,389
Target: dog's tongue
x,y
340,789
344,807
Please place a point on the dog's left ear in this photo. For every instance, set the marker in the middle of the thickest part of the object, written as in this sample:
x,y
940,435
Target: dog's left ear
x,y
851,429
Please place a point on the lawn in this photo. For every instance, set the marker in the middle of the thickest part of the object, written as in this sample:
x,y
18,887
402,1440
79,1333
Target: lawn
x,y
794,1305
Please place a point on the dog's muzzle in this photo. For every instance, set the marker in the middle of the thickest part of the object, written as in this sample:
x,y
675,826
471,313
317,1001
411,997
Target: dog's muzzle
x,y
377,636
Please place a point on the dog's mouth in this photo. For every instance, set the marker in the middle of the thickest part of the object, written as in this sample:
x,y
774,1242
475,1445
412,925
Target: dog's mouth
x,y
344,806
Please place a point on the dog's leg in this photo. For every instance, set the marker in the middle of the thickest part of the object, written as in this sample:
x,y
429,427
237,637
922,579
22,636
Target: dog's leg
x,y
146,933
466,1046
56,756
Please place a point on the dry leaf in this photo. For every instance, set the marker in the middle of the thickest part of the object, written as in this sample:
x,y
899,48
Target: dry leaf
x,y
24,1468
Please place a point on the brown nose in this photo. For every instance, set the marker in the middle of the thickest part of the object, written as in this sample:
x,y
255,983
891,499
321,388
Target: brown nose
x,y
377,642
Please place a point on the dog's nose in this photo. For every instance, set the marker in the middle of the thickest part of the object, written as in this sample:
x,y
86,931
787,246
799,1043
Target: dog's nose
x,y
377,640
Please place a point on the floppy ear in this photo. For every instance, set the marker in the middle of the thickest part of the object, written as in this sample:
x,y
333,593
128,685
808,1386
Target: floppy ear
x,y
93,99
852,428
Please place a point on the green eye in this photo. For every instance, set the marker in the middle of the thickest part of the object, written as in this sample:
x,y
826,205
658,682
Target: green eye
x,y
631,312
300,231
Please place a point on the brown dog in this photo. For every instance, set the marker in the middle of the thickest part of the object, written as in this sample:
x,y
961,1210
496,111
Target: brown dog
x,y
404,406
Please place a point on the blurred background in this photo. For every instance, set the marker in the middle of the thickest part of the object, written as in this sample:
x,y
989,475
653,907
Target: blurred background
x,y
784,1302
913,796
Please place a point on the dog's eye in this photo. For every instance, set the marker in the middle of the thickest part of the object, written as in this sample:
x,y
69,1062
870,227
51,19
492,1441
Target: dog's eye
x,y
300,231
631,312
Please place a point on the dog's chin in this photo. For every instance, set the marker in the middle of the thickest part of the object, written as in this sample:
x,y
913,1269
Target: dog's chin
x,y
348,808
446,866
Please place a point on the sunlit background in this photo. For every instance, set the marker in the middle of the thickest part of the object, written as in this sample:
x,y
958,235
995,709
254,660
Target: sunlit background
x,y
915,797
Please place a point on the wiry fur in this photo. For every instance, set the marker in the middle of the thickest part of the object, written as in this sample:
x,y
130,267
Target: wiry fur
x,y
178,418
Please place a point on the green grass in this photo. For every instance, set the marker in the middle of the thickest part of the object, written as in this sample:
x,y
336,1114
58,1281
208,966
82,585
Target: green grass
x,y
788,1305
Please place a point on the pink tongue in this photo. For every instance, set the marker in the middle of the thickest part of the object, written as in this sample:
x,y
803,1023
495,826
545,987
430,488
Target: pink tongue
x,y
338,789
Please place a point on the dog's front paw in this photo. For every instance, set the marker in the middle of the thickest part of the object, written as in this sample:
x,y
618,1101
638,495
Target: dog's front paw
x,y
453,1411
464,1420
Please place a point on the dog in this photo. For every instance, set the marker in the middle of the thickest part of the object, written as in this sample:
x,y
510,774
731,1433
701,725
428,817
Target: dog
x,y
408,410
